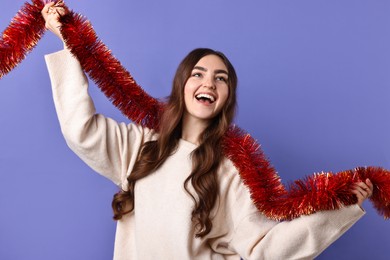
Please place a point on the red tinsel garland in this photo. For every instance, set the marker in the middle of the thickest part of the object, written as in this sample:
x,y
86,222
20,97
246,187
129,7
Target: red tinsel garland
x,y
323,191
21,36
108,73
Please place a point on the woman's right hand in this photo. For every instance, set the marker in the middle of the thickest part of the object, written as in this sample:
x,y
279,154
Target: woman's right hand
x,y
51,13
363,190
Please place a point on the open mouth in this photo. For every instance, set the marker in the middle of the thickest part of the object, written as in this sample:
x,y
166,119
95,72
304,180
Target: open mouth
x,y
205,98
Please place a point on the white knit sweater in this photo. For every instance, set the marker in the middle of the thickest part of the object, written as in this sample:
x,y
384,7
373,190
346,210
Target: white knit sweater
x,y
160,227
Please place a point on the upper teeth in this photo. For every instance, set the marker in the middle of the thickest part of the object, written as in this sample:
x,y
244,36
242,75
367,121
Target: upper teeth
x,y
206,96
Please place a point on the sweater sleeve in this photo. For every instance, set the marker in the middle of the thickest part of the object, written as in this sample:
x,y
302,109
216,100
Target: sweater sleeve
x,y
256,237
108,147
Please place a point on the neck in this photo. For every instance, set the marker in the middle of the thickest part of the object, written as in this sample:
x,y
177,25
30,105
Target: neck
x,y
192,128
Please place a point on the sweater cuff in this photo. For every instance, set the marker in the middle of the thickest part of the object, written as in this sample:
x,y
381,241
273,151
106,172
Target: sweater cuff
x,y
60,65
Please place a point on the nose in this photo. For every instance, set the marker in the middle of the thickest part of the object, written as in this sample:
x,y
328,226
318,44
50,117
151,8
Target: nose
x,y
209,82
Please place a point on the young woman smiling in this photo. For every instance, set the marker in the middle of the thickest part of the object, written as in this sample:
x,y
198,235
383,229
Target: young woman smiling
x,y
180,198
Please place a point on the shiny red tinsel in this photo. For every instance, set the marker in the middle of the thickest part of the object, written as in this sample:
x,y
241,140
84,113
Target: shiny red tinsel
x,y
321,191
108,73
21,36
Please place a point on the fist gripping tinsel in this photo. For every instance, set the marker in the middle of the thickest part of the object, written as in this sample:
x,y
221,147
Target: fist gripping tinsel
x,y
321,191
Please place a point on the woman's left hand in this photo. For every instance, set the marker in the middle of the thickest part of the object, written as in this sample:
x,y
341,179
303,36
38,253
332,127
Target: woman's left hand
x,y
51,12
363,190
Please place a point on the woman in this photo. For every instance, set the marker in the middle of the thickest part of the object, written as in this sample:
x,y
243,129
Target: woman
x,y
180,198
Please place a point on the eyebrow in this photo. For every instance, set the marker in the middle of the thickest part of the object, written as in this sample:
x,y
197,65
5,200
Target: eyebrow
x,y
216,71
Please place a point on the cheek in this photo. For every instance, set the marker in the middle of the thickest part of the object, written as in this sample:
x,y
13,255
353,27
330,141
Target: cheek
x,y
188,88
188,93
224,95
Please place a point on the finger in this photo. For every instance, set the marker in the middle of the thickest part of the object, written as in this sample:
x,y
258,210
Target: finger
x,y
60,3
357,193
45,10
360,191
361,184
54,11
367,190
47,6
61,11
51,1
359,197
371,187
370,184
365,187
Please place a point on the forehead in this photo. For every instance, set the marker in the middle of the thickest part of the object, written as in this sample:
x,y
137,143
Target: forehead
x,y
211,62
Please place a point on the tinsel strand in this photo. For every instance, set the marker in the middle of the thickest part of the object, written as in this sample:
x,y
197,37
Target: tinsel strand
x,y
108,73
322,191
21,36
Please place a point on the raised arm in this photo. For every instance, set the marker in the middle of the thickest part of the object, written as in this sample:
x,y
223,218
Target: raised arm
x,y
108,147
322,191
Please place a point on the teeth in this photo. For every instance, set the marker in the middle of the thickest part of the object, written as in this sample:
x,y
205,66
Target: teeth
x,y
211,98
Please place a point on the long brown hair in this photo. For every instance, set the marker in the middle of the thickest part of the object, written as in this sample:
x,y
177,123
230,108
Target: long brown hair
x,y
206,158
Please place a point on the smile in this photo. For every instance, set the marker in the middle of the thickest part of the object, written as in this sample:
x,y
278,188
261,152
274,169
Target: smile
x,y
205,98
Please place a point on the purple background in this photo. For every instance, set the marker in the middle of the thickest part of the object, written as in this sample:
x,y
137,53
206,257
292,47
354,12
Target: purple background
x,y
314,89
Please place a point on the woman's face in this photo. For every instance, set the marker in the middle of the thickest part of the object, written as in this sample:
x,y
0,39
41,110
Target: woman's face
x,y
206,90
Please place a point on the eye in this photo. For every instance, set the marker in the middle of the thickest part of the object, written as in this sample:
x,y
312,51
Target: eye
x,y
221,78
196,74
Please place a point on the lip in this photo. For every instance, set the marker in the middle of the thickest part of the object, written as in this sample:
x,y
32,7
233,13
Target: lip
x,y
207,93
207,104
